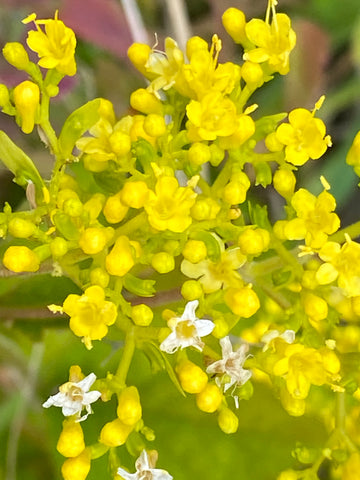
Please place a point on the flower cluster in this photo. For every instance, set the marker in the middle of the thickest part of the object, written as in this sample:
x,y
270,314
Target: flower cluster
x,y
157,204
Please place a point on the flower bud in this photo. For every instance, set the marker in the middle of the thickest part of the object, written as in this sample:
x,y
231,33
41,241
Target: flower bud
x,y
145,102
315,307
209,399
129,408
191,290
142,315
242,301
77,468
254,241
284,182
4,95
234,22
228,421
192,378
93,240
154,125
199,153
71,441
21,259
120,260
15,54
115,210
27,99
252,73
163,262
134,194
120,143
115,433
21,228
138,54
98,276
59,247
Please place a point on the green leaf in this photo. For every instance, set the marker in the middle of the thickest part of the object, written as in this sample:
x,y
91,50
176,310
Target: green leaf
x,y
21,166
77,123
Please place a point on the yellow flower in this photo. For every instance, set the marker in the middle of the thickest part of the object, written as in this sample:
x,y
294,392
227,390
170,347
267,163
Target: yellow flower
x,y
213,275
273,42
316,219
341,263
55,47
215,115
169,206
303,137
27,100
303,366
90,314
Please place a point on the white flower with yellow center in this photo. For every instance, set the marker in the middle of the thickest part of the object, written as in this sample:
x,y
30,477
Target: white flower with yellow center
x,y
73,397
144,469
230,366
187,330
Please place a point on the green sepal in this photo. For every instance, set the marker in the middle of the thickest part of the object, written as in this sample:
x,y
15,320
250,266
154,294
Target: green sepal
x,y
245,392
263,174
77,123
145,154
21,166
211,242
305,455
158,361
266,125
259,216
139,286
66,226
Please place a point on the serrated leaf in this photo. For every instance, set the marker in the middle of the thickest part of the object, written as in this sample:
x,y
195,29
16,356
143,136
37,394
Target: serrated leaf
x,y
77,123
21,166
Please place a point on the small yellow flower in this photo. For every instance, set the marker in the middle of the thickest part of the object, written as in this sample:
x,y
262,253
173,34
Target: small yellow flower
x,y
27,100
341,263
168,208
303,137
55,47
316,219
273,42
90,314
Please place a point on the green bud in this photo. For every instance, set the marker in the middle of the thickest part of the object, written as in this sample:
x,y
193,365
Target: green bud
x,y
15,54
4,95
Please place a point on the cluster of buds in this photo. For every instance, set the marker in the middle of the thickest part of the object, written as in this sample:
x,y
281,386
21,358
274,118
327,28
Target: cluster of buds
x,y
156,204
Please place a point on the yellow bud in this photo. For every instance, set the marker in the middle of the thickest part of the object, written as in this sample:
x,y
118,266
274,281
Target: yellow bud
x,y
205,209
26,100
21,228
21,259
242,301
272,143
120,143
234,22
98,276
221,328
163,262
145,102
94,206
59,247
93,240
308,280
138,54
64,195
209,400
115,210
94,165
191,290
115,433
154,125
217,155
294,406
254,241
252,73
4,95
195,44
284,182
288,475
120,260
135,194
15,54
73,207
77,468
315,307
142,315
199,153
71,441
192,378
235,191
194,251
228,421
353,156
129,409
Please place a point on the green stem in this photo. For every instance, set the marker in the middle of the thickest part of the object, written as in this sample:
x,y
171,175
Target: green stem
x,y
126,357
132,225
352,230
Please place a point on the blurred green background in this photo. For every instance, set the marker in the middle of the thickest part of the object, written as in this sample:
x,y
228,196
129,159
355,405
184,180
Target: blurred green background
x,y
36,348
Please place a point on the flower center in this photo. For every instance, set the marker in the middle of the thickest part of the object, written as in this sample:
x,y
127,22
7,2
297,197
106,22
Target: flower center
x,y
185,329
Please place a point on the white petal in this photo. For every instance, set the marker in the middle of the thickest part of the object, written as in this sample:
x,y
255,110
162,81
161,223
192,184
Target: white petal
x,y
126,475
189,311
170,344
204,327
160,475
226,347
91,397
86,382
288,336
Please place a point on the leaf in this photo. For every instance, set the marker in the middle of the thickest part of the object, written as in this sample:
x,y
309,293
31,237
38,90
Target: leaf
x,y
77,123
138,286
21,166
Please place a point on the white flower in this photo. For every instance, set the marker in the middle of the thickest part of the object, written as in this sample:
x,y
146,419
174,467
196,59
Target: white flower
x,y
231,365
187,330
288,336
73,397
144,470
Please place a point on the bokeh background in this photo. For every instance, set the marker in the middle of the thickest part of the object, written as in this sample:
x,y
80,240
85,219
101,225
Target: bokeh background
x,y
36,349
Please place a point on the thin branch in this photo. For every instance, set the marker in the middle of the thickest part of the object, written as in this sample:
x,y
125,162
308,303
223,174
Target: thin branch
x,y
135,22
179,21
